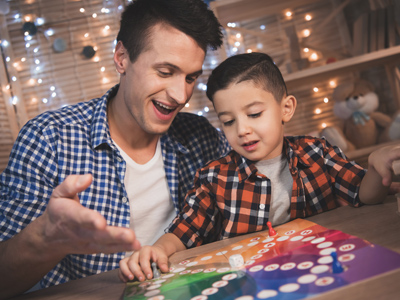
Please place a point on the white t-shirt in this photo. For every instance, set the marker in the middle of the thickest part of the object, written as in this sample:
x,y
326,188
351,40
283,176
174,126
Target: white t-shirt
x,y
277,170
150,201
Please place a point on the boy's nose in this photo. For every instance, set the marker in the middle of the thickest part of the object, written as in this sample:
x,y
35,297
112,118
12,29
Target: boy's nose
x,y
243,129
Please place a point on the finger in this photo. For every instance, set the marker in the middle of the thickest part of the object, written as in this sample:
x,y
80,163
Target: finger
x,y
162,263
394,188
71,186
145,259
135,268
125,273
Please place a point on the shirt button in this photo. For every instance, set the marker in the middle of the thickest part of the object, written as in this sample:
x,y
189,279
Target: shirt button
x,y
124,199
262,206
119,159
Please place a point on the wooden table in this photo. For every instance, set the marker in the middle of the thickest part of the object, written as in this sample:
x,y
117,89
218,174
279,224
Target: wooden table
x,y
379,224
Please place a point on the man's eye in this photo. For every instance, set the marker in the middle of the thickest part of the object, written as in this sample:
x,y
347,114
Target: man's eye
x,y
164,74
191,79
255,115
228,123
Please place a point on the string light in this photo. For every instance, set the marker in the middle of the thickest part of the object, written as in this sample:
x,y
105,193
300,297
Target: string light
x,y
315,89
317,111
332,83
323,125
308,17
187,105
306,32
326,100
288,14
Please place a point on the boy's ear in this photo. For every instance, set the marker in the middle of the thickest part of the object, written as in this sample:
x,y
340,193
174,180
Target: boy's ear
x,y
121,57
288,106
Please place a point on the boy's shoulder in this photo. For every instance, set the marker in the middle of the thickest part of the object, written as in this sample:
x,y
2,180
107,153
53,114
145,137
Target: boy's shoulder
x,y
302,142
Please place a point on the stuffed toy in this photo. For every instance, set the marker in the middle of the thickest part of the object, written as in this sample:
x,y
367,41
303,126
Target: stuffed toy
x,y
356,104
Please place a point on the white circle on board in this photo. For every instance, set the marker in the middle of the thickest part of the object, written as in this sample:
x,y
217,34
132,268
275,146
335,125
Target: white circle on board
x,y
346,257
324,281
327,259
221,253
246,297
327,251
199,297
318,240
282,238
256,268
153,287
305,265
289,288
209,270
159,281
193,263
151,293
297,238
229,276
347,247
267,240
197,271
185,272
206,258
220,283
237,247
288,266
306,232
269,245
324,245
290,232
249,262
222,270
271,267
178,270
263,251
257,256
252,244
168,275
319,269
158,297
309,238
264,294
209,291
307,278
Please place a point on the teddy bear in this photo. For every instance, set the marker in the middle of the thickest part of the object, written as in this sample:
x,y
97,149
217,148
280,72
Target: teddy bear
x,y
356,104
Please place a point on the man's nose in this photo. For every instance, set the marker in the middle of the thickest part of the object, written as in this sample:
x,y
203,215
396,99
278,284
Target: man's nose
x,y
180,90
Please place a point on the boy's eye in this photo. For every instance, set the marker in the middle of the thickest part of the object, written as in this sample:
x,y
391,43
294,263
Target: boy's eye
x,y
228,123
255,115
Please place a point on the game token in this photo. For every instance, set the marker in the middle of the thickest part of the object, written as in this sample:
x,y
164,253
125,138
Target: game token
x,y
156,272
271,231
336,265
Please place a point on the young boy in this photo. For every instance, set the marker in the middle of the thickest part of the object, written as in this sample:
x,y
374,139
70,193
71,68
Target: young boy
x,y
267,177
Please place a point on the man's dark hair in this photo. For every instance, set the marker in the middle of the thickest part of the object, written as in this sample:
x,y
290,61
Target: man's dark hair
x,y
256,67
192,17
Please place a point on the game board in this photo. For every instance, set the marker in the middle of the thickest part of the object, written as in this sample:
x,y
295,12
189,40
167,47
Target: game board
x,y
295,264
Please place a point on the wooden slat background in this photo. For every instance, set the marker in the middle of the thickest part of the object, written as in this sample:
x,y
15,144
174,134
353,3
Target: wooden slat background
x,y
76,78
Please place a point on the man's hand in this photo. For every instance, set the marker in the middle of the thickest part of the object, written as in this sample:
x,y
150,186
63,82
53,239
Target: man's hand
x,y
72,228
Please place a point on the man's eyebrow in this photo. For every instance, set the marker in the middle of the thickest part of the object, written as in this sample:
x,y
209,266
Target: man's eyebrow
x,y
175,67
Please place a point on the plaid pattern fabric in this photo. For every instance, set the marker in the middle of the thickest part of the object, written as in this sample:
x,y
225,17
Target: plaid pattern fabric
x,y
231,198
76,140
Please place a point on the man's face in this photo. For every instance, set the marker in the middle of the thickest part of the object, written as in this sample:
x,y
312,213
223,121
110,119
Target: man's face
x,y
160,82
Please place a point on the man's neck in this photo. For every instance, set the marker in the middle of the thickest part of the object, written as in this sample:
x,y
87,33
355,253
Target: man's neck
x,y
131,138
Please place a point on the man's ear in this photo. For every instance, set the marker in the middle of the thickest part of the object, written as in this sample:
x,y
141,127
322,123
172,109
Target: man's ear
x,y
288,106
121,57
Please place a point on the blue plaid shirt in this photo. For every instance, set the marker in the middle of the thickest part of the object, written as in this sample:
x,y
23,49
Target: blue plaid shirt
x,y
76,140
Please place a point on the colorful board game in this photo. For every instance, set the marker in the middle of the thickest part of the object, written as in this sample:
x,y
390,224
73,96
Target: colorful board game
x,y
296,263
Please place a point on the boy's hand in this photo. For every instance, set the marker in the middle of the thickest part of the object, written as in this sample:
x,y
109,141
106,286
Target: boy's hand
x,y
138,265
382,160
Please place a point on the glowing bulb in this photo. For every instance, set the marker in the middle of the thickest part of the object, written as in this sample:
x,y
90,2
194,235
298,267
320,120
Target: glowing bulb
x,y
94,15
27,18
37,61
44,100
14,100
102,69
31,81
206,109
262,27
306,32
238,35
315,89
16,65
34,100
95,48
86,35
96,59
14,78
237,44
53,94
200,113
332,83
5,43
8,59
326,100
107,27
234,49
317,111
39,21
323,125
306,50
308,17
314,56
23,59
27,45
49,32
39,81
36,50
288,14
105,80
249,50
82,10
8,87
52,88
187,105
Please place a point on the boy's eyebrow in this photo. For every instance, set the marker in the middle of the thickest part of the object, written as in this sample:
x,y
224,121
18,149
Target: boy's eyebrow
x,y
246,106
175,67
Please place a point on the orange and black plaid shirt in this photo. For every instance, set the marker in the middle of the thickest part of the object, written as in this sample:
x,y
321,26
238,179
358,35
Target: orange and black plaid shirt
x,y
230,197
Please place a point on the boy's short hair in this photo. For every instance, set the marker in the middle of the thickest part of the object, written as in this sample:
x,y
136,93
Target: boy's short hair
x,y
256,67
192,17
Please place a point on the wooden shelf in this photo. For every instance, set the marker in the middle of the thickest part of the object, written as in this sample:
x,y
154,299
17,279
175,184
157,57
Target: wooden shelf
x,y
389,56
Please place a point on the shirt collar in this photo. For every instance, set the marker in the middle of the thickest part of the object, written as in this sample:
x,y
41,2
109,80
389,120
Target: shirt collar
x,y
100,131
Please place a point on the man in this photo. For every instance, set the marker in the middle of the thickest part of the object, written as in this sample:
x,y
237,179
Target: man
x,y
129,155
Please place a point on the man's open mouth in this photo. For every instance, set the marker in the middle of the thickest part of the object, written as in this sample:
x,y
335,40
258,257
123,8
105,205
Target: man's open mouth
x,y
162,108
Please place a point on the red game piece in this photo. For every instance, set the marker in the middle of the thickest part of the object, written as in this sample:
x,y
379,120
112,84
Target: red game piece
x,y
271,231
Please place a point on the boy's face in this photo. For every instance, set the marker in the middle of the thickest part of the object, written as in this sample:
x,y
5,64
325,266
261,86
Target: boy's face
x,y
252,120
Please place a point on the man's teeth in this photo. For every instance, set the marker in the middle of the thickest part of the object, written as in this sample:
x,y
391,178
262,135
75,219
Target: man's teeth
x,y
164,106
